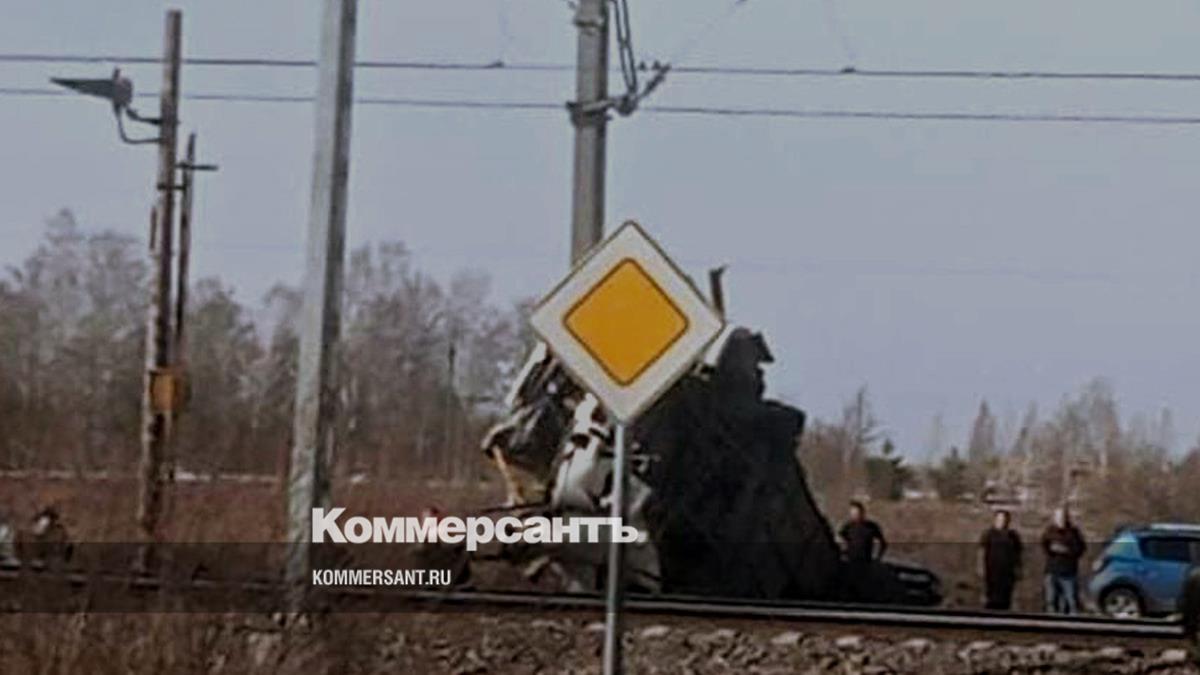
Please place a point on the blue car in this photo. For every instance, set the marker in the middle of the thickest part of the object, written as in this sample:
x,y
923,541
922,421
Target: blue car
x,y
1142,570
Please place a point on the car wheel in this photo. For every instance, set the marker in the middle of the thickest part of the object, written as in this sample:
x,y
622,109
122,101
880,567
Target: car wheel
x,y
1122,603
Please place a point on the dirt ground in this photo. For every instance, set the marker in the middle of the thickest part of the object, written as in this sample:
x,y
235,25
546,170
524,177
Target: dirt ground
x,y
476,643
941,536
227,511
938,535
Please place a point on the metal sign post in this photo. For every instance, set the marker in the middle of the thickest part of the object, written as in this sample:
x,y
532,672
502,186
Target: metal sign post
x,y
616,560
626,323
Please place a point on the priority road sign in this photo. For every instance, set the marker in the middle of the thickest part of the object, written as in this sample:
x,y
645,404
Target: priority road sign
x,y
627,323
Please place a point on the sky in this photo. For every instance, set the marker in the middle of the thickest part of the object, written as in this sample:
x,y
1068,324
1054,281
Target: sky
x,y
938,263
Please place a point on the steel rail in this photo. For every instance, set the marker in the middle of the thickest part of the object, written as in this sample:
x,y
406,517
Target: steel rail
x,y
689,606
808,612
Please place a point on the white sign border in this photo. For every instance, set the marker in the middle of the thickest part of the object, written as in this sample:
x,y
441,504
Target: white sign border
x,y
630,241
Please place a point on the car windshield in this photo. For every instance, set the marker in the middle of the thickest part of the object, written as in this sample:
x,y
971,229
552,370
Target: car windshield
x,y
1124,546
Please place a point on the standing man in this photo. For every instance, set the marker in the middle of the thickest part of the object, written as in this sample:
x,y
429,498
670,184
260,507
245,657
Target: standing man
x,y
1064,546
862,545
1000,561
862,538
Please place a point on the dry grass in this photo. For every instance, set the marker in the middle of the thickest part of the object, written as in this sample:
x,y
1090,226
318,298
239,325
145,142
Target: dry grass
x,y
166,642
939,535
227,512
153,644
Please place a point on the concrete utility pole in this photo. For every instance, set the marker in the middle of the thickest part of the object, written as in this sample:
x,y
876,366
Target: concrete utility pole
x,y
320,319
158,384
589,115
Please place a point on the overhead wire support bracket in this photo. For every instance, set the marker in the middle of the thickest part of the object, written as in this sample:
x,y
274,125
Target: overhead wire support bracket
x,y
118,91
594,112
627,103
589,114
134,116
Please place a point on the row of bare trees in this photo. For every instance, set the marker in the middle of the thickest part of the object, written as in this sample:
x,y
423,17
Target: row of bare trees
x,y
1085,452
423,364
423,369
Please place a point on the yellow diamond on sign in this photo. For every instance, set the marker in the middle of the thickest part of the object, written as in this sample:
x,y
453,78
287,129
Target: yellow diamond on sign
x,y
626,322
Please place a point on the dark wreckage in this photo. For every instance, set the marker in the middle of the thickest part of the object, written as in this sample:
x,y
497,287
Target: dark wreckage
x,y
715,482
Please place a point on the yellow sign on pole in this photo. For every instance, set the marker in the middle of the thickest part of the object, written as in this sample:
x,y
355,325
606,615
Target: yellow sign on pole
x,y
168,390
626,322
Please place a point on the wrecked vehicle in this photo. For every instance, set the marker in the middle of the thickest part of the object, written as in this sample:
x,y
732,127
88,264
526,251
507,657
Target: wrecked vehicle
x,y
714,481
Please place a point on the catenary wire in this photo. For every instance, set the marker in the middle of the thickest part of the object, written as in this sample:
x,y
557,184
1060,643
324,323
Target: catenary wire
x,y
716,70
690,110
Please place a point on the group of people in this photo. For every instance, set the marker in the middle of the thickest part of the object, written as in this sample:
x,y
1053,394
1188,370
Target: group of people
x,y
1001,556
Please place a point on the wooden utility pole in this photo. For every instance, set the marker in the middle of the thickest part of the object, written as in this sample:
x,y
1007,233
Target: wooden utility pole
x,y
158,382
589,115
179,370
179,338
187,187
320,319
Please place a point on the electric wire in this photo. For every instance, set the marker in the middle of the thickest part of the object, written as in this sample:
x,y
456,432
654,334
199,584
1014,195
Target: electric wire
x,y
682,110
500,66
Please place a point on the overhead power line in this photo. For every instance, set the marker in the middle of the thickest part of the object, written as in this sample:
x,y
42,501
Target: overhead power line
x,y
948,74
693,110
934,116
733,71
253,62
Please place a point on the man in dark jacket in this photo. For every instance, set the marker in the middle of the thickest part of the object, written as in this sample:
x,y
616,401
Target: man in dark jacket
x,y
863,545
862,538
1063,545
1000,561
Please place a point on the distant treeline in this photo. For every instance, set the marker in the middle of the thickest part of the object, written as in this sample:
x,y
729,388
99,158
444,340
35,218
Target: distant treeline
x,y
423,365
423,368
1084,453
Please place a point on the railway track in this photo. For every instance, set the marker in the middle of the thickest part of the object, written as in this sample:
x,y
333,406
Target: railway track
x,y
127,592
863,615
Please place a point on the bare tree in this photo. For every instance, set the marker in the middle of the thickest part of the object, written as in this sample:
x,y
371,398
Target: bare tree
x,y
935,444
981,447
